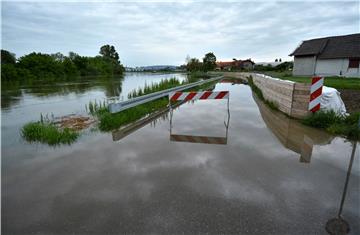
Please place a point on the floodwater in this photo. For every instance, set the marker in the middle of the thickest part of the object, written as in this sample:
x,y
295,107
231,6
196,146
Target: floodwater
x,y
251,172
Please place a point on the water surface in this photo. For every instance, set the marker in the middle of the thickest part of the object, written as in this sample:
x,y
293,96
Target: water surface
x,y
273,175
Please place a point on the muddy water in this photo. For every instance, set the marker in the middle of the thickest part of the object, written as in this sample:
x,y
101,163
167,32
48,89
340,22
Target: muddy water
x,y
272,176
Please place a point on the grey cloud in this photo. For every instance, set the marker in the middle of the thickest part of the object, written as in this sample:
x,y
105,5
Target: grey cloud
x,y
164,32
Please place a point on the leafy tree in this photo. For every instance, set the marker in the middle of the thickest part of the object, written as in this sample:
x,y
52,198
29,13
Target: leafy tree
x,y
276,60
109,52
209,62
70,68
41,66
194,65
58,56
7,57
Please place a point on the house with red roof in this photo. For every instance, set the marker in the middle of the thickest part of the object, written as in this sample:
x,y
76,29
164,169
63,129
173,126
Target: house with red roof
x,y
247,64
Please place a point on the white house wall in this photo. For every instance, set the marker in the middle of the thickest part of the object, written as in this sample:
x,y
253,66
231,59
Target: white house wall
x,y
304,66
338,67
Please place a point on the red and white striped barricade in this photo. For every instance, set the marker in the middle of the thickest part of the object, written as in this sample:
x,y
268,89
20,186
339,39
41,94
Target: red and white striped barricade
x,y
203,95
315,93
199,139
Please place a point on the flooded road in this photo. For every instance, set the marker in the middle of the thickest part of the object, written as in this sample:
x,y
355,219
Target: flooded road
x,y
272,176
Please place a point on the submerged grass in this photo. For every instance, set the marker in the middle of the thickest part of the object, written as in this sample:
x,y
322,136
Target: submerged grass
x,y
109,121
48,133
154,87
330,121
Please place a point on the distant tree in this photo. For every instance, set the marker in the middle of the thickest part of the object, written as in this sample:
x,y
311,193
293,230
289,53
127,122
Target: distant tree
x,y
187,59
72,55
209,62
58,56
284,66
70,68
194,65
234,59
280,60
276,60
7,57
109,52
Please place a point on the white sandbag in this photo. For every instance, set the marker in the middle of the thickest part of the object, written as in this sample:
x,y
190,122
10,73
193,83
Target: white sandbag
x,y
331,100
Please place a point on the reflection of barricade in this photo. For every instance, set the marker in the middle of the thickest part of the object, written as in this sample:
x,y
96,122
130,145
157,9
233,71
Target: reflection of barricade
x,y
205,95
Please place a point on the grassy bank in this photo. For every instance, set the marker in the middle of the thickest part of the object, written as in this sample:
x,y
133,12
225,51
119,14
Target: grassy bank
x,y
335,124
335,82
48,133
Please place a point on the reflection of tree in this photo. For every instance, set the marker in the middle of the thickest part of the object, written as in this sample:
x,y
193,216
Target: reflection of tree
x,y
12,92
113,87
10,97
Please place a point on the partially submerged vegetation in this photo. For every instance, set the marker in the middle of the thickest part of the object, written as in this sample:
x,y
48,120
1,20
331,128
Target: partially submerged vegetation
x,y
111,121
56,131
48,133
336,124
154,87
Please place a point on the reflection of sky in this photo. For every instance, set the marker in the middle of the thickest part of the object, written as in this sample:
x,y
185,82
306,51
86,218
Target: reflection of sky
x,y
145,183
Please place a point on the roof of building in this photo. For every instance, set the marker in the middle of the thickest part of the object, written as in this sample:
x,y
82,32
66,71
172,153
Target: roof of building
x,y
345,46
232,63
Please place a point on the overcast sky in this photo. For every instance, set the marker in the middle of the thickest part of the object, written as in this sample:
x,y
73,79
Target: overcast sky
x,y
150,33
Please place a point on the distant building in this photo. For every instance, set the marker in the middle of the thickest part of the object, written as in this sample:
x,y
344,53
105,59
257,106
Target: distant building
x,y
235,64
338,55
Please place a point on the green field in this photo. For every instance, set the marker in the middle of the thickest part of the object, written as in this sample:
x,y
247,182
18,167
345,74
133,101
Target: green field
x,y
335,82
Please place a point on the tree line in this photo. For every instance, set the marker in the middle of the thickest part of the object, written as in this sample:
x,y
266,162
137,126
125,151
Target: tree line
x,y
194,64
40,66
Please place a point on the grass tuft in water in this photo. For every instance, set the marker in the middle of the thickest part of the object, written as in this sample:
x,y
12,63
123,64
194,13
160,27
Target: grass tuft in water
x,y
48,133
154,87
335,124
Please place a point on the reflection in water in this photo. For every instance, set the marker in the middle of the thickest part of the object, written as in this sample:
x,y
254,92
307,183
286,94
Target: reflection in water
x,y
201,139
12,93
338,225
134,126
292,134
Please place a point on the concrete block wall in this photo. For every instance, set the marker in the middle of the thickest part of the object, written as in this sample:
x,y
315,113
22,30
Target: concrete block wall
x,y
277,91
291,98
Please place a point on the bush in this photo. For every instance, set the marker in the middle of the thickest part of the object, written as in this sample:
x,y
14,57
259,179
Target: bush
x,y
335,124
323,119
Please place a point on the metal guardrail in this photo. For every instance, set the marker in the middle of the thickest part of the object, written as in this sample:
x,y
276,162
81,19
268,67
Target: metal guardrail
x,y
118,107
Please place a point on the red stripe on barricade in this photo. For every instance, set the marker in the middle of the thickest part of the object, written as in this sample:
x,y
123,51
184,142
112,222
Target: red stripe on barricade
x,y
316,94
316,108
221,95
176,96
205,95
315,79
190,96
